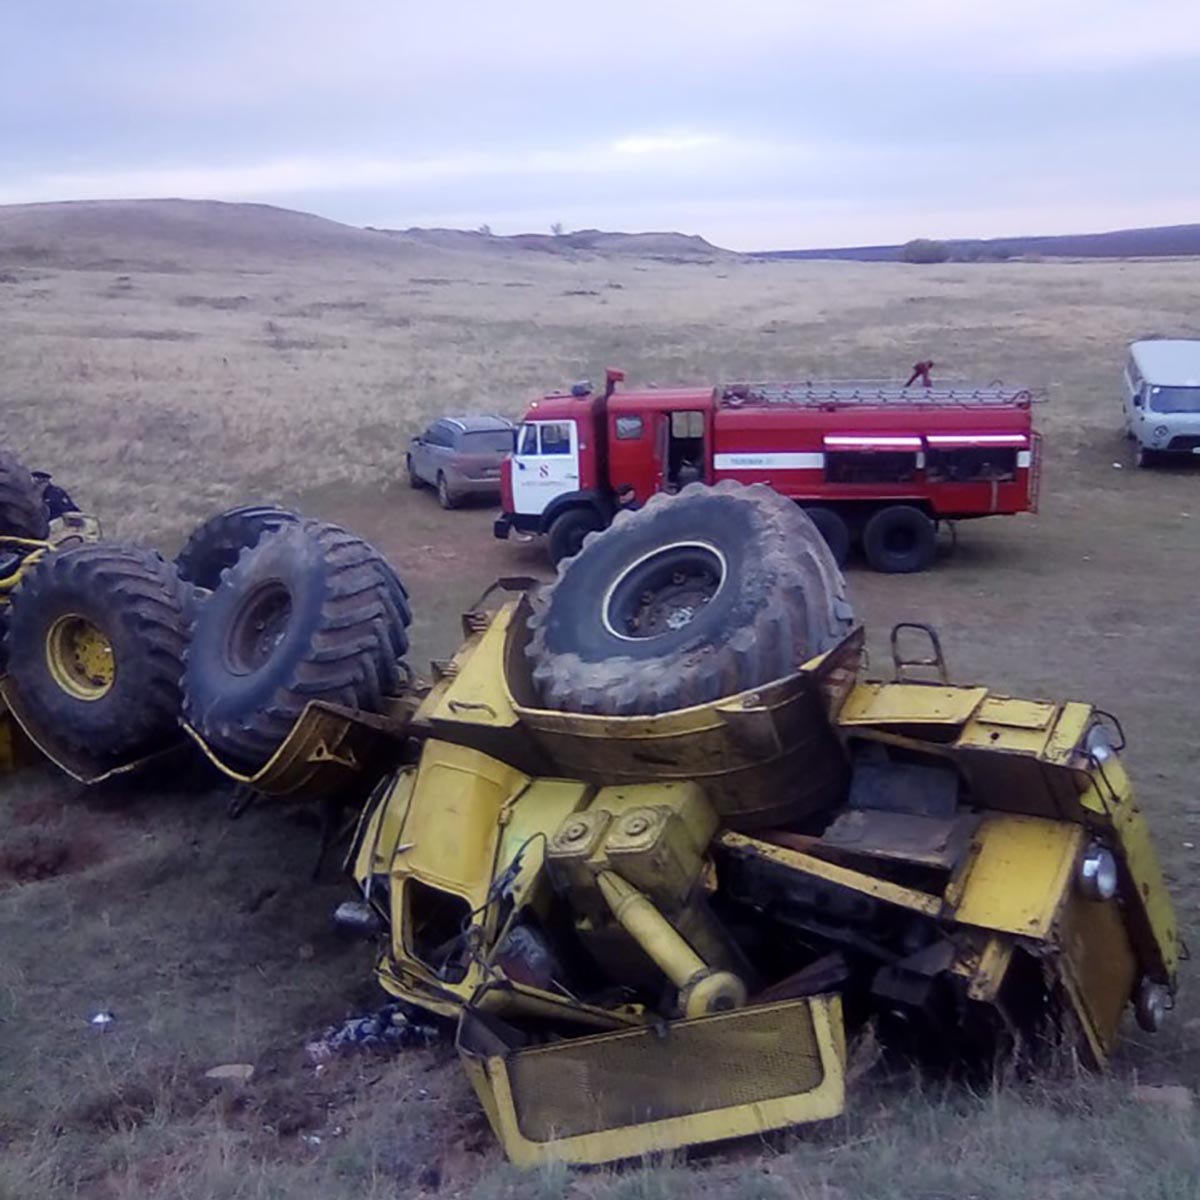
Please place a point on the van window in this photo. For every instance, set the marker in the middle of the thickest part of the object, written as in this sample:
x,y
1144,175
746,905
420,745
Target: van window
x,y
556,437
1174,399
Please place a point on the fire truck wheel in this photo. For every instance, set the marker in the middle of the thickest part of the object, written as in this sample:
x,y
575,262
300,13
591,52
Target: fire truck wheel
x,y
691,598
834,530
568,530
310,613
214,546
899,540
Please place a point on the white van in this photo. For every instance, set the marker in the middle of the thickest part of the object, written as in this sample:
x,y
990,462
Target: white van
x,y
1162,399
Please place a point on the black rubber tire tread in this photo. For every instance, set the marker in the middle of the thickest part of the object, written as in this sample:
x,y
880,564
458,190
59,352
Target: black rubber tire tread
x,y
214,545
834,530
884,522
343,643
788,603
568,529
138,600
23,511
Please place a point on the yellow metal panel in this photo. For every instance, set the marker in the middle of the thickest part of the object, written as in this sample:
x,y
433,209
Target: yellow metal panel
x,y
1019,871
454,818
990,970
1099,967
475,692
1150,913
1016,714
796,860
532,820
1073,721
732,1075
378,841
909,704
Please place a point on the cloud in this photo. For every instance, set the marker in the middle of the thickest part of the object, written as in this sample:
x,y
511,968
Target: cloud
x,y
672,154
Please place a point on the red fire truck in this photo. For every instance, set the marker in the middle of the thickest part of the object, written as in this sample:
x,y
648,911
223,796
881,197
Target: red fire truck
x,y
874,464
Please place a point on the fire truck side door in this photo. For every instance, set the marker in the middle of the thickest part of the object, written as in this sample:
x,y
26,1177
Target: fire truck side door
x,y
545,465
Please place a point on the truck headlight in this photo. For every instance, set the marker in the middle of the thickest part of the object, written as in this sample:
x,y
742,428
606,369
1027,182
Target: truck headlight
x,y
1151,1005
1098,744
1097,876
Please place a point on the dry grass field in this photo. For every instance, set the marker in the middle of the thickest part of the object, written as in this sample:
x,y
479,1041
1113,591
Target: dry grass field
x,y
167,361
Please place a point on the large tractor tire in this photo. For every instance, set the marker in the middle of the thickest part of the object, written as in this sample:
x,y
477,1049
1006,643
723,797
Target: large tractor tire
x,y
691,598
214,546
310,613
95,641
23,511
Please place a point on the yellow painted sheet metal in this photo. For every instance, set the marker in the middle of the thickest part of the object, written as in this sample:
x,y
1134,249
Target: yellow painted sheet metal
x,y
1018,874
1148,907
1073,721
796,860
539,810
632,1092
910,704
377,841
454,818
474,691
328,747
1098,966
79,764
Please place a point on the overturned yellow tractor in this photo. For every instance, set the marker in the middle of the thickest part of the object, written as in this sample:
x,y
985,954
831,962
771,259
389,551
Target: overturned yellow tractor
x,y
665,852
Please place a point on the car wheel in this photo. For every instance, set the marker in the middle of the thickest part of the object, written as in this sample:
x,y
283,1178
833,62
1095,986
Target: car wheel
x,y
1144,458
446,498
899,540
414,480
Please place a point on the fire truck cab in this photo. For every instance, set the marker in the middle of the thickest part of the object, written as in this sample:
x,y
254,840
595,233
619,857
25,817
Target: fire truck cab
x,y
874,464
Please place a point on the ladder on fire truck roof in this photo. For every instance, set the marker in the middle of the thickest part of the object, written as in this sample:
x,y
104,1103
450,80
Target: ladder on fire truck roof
x,y
838,392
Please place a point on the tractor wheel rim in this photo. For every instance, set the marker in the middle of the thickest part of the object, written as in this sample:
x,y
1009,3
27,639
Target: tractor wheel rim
x,y
258,628
80,657
664,591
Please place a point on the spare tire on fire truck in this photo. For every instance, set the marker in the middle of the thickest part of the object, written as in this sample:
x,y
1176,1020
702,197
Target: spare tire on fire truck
x,y
309,613
691,598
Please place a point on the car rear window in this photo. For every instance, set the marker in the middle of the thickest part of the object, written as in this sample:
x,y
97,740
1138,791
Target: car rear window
x,y
488,441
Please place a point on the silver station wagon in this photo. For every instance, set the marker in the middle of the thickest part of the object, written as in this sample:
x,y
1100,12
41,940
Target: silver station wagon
x,y
460,456
1162,399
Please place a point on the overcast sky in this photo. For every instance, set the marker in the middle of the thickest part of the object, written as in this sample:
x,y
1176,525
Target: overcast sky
x,y
758,123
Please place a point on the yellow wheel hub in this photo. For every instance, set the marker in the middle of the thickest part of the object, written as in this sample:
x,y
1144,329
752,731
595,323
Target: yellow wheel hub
x,y
80,658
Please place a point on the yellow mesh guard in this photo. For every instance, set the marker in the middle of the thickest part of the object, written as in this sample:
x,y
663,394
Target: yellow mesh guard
x,y
616,1080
